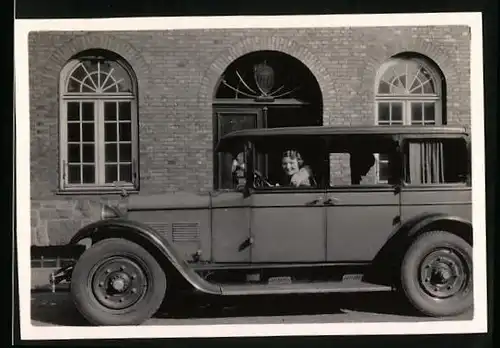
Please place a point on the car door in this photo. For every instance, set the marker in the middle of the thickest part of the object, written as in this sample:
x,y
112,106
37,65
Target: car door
x,y
287,225
230,226
360,214
359,221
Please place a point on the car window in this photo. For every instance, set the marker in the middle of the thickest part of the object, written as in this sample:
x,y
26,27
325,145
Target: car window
x,y
288,164
436,161
363,161
362,168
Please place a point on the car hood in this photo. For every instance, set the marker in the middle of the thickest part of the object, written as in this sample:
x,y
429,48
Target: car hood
x,y
168,201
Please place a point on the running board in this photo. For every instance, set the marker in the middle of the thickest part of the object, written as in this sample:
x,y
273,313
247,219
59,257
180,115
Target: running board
x,y
302,288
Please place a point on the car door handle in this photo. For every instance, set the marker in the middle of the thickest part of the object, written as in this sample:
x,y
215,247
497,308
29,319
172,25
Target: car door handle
x,y
331,201
315,201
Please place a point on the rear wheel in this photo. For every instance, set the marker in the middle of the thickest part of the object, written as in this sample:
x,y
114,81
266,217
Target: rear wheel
x,y
117,282
436,274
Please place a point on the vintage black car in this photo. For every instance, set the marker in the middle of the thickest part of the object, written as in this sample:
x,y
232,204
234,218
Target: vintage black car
x,y
311,210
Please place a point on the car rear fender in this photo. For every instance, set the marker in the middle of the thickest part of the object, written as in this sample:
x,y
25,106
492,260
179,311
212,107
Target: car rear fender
x,y
153,242
453,224
386,262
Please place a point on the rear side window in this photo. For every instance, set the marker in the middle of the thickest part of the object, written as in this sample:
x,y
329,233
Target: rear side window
x,y
436,161
363,168
364,160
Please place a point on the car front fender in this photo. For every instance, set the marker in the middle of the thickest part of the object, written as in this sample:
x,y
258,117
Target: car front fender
x,y
147,237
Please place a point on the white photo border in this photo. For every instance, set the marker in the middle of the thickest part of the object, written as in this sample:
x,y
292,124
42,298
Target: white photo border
x,y
22,123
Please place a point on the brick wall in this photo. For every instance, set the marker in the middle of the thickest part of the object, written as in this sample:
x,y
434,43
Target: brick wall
x,y
177,72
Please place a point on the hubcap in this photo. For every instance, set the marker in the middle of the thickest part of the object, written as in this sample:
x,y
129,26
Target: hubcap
x,y
444,273
118,283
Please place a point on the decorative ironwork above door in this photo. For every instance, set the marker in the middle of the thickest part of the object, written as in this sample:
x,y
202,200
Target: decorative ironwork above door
x,y
263,81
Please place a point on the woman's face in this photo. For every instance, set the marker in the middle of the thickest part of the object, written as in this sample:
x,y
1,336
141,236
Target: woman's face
x,y
290,166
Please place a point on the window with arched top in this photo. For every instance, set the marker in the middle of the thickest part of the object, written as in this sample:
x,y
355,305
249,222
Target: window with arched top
x,y
98,128
409,91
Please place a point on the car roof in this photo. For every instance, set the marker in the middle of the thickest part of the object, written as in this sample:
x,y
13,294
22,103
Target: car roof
x,y
226,141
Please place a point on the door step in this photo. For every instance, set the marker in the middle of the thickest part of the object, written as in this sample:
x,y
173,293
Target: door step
x,y
301,288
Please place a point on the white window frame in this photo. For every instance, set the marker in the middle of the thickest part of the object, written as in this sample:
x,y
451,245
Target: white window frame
x,y
407,99
99,145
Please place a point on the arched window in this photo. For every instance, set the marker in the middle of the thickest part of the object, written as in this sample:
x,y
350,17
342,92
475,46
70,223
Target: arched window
x,y
98,128
409,91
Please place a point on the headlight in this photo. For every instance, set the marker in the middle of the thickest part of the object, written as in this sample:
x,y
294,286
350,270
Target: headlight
x,y
108,212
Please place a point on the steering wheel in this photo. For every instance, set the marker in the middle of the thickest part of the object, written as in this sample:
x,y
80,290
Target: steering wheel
x,y
260,180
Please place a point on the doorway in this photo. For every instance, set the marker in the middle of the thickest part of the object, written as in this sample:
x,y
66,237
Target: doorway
x,y
264,89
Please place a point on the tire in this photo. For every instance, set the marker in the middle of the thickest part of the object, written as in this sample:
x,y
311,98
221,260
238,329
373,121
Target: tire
x,y
422,282
106,294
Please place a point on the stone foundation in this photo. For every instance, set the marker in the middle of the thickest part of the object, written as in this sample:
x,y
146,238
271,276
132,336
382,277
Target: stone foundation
x,y
54,222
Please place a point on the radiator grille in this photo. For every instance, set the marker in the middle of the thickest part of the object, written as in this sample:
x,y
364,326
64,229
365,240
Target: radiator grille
x,y
185,232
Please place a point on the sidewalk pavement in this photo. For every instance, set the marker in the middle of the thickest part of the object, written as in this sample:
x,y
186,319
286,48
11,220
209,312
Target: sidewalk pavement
x,y
40,280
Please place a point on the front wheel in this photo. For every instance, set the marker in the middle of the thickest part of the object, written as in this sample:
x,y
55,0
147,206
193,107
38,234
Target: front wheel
x,y
436,274
117,282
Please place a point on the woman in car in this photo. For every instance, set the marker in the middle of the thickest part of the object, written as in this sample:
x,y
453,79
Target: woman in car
x,y
296,173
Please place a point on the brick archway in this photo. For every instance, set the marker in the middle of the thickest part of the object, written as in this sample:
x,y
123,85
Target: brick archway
x,y
58,59
213,73
379,54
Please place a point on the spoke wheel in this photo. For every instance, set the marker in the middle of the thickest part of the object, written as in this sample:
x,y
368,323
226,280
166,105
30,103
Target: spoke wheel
x,y
117,282
436,274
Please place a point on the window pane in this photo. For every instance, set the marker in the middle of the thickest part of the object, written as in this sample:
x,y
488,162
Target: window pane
x,y
87,111
383,87
73,111
125,131
88,174
74,174
73,153
123,79
429,112
73,132
88,132
397,112
110,111
73,86
416,113
110,132
402,78
124,113
229,123
79,73
111,153
90,65
383,171
103,74
429,87
95,79
383,111
88,153
111,173
125,152
87,86
126,172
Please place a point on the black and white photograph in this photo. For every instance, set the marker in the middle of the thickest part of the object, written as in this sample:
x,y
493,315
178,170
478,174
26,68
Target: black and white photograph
x,y
250,176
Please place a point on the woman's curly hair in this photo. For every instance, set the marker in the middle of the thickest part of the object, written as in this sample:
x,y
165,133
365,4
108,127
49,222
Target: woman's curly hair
x,y
294,154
